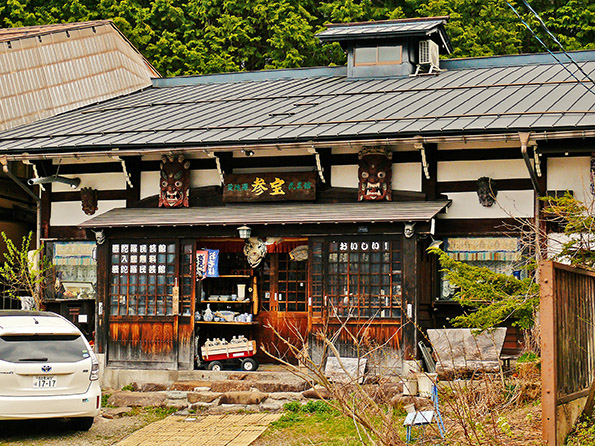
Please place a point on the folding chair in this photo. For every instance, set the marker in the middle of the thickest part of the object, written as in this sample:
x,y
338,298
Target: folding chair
x,y
422,419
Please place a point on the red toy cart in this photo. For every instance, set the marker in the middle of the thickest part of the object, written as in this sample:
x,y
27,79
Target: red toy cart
x,y
215,356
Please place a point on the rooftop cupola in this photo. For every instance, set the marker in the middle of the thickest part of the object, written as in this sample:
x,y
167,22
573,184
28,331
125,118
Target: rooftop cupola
x,y
391,48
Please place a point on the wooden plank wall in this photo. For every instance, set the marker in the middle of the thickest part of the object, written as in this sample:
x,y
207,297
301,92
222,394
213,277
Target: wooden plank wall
x,y
567,316
137,342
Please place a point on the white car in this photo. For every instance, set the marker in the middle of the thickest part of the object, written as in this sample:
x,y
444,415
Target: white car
x,y
47,369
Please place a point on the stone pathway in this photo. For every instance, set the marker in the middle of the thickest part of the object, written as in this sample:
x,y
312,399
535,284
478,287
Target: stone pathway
x,y
211,430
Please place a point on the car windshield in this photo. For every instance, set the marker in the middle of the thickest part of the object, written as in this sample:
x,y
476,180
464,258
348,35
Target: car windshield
x,y
42,348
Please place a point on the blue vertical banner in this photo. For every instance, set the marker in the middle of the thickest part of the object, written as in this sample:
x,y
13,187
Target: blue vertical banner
x,y
213,263
201,264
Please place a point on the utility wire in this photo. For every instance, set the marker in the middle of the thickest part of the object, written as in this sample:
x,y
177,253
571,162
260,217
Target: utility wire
x,y
556,40
547,49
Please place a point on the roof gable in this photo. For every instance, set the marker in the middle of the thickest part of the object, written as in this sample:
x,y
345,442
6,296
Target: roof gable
x,y
50,69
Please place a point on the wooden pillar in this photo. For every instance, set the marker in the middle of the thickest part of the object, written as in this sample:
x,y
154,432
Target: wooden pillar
x,y
428,185
226,161
134,168
326,162
45,168
102,307
410,267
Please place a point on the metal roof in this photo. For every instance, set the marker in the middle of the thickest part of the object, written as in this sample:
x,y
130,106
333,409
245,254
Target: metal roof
x,y
231,215
24,32
421,27
498,98
347,31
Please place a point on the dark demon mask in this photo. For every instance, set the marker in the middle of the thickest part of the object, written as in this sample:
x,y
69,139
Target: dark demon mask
x,y
89,200
375,173
486,191
174,182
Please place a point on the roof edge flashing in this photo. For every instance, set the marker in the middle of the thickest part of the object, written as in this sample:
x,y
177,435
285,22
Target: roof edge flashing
x,y
250,76
515,60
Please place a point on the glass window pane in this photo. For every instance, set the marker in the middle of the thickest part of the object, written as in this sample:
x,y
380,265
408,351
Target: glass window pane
x,y
389,53
365,55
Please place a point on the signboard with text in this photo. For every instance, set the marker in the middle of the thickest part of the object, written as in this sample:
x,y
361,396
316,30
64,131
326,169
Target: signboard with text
x,y
270,186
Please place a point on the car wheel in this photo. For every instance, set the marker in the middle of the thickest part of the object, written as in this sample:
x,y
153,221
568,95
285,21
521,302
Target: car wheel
x,y
249,364
215,366
82,423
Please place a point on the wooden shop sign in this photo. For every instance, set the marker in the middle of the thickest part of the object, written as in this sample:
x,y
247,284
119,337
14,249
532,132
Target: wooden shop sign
x,y
270,186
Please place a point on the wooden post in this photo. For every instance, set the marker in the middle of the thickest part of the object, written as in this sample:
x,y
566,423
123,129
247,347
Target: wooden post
x,y
410,297
102,310
549,388
133,167
429,185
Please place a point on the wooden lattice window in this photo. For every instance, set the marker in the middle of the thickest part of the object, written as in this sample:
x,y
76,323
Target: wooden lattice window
x,y
142,278
292,284
186,278
359,277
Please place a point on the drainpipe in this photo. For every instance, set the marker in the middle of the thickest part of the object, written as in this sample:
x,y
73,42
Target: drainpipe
x,y
524,138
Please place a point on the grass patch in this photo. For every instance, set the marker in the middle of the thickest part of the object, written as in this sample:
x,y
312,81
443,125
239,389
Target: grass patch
x,y
315,421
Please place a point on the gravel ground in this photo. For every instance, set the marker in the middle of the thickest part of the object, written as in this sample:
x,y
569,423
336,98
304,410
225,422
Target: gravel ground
x,y
58,432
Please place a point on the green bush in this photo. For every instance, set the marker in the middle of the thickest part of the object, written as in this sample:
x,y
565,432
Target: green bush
x,y
583,433
528,357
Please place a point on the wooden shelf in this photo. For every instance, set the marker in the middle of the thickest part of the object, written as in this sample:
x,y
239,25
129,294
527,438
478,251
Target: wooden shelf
x,y
225,323
228,276
226,302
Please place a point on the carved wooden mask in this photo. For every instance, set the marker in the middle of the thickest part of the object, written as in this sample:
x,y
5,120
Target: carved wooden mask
x,y
89,200
375,174
174,182
486,191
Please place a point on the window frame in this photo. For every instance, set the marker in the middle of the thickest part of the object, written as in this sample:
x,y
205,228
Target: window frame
x,y
157,299
398,61
323,271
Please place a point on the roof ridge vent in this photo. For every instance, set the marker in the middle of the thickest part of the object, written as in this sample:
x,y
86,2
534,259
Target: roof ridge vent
x,y
429,56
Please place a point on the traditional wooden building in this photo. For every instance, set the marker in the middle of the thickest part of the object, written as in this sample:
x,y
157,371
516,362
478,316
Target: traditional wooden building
x,y
342,175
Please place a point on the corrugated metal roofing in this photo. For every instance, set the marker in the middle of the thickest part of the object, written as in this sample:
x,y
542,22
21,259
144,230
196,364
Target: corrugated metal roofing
x,y
538,97
342,31
270,214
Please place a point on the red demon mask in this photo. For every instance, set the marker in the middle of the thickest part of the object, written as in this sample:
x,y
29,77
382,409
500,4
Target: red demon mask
x,y
174,182
375,174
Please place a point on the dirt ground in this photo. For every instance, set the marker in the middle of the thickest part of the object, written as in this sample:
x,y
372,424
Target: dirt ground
x,y
58,433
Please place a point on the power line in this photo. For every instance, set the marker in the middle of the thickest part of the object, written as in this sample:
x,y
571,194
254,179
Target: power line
x,y
556,40
548,50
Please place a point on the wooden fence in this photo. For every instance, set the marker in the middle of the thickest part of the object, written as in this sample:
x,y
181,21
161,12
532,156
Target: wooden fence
x,y
567,316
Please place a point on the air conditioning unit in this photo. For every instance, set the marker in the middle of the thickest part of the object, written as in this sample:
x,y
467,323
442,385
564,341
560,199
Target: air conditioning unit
x,y
429,54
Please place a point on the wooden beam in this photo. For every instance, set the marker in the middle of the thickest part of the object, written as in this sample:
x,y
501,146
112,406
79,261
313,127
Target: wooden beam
x,y
467,227
480,154
445,187
101,195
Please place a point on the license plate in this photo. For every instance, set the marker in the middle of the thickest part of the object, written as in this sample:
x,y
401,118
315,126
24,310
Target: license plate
x,y
44,382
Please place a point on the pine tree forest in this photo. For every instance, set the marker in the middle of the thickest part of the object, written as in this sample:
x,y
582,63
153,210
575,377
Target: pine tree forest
x,y
185,37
